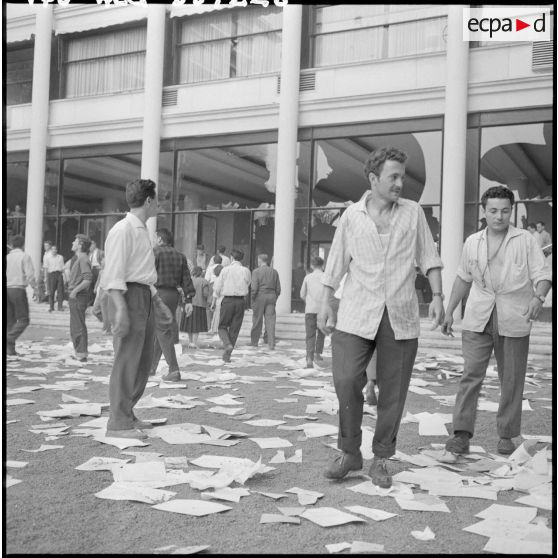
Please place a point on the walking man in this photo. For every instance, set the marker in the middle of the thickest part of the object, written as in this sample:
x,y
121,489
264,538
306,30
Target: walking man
x,y
19,274
312,292
504,273
129,277
232,284
54,267
78,295
172,274
266,288
376,243
225,260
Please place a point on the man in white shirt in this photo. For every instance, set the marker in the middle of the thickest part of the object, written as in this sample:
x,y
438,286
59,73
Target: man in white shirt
x,y
225,260
53,263
129,277
312,292
19,274
232,284
544,239
95,257
504,274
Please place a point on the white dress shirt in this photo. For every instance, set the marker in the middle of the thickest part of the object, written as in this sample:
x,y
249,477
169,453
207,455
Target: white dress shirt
x,y
312,291
234,280
53,263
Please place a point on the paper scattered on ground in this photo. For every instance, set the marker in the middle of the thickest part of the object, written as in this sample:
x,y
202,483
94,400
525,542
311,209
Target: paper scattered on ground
x,y
330,517
129,491
426,535
197,508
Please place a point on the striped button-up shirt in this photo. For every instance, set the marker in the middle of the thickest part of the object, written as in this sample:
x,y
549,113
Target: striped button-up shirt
x,y
524,265
129,256
378,278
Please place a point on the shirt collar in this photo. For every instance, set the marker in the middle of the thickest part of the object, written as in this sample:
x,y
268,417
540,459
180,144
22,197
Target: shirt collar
x,y
512,231
135,221
235,262
361,204
16,250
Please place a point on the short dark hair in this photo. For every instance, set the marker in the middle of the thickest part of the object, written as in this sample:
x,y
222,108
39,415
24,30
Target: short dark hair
x,y
47,242
263,257
84,242
531,226
316,261
138,191
166,236
200,247
18,241
237,254
500,192
376,159
217,259
540,223
222,249
197,271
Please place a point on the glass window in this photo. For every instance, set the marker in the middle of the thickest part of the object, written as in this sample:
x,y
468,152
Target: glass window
x,y
19,75
520,157
226,177
16,197
105,63
98,184
235,43
354,33
164,184
339,167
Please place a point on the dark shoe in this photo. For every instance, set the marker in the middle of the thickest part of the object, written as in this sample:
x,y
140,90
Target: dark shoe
x,y
378,473
318,357
271,347
309,363
82,359
51,309
342,464
370,395
173,376
505,446
10,350
252,344
131,433
459,444
227,353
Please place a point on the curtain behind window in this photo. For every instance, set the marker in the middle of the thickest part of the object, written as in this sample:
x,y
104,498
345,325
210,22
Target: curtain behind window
x,y
106,63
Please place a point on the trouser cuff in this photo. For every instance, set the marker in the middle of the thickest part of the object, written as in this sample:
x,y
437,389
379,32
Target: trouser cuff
x,y
350,445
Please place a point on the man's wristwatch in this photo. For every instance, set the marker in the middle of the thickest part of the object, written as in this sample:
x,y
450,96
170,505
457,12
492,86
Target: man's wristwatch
x,y
542,298
441,295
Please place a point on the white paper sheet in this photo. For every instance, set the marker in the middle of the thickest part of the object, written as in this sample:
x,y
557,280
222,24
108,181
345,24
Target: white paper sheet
x,y
127,491
278,518
197,508
272,443
426,535
139,472
376,515
330,517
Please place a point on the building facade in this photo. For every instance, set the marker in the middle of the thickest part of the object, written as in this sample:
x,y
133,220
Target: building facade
x,y
255,122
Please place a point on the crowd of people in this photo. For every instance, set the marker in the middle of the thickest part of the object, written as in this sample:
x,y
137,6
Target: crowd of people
x,y
364,297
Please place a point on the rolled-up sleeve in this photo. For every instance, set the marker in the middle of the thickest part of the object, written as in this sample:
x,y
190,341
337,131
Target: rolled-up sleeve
x,y
117,246
427,256
463,269
539,270
29,270
339,256
85,270
187,283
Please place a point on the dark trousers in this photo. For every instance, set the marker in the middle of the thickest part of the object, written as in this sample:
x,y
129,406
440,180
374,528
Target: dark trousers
x,y
78,329
264,310
132,357
165,336
17,314
511,358
55,283
314,336
95,271
350,357
230,319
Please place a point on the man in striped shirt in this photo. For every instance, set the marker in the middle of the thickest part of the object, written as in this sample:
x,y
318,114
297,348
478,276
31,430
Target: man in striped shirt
x,y
377,242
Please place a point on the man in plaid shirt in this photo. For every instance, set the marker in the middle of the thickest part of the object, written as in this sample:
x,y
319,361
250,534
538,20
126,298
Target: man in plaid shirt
x,y
172,273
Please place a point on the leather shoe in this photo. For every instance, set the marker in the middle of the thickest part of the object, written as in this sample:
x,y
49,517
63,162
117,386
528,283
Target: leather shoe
x,y
227,353
379,474
318,357
342,464
172,376
459,444
505,446
130,433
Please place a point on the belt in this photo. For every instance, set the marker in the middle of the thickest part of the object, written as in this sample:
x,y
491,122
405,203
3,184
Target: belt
x,y
142,285
166,287
234,296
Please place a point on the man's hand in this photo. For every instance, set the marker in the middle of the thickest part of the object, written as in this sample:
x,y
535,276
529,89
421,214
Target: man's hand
x,y
436,312
72,294
533,309
121,325
327,318
447,325
189,308
162,313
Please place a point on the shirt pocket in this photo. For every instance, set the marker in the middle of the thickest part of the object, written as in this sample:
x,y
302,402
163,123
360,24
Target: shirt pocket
x,y
519,272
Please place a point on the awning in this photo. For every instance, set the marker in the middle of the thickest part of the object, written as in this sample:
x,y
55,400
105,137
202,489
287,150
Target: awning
x,y
20,22
189,9
74,19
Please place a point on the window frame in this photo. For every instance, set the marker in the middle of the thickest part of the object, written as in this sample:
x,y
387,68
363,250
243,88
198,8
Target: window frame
x,y
23,45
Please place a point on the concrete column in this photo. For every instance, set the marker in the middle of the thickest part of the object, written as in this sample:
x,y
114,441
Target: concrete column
x,y
285,193
455,136
38,136
153,96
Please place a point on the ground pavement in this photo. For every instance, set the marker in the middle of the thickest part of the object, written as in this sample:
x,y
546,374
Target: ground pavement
x,y
58,498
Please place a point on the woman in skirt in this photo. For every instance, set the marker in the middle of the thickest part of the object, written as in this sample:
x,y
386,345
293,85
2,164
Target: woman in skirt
x,y
197,321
